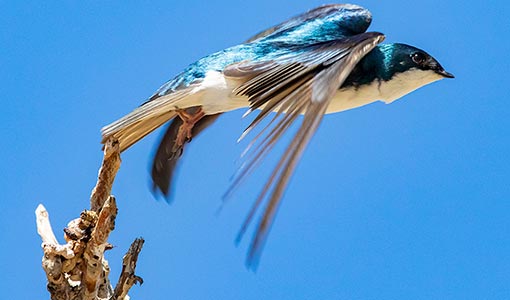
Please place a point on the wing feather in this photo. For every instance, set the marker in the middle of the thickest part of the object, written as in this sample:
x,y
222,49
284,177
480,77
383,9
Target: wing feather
x,y
351,19
303,83
327,22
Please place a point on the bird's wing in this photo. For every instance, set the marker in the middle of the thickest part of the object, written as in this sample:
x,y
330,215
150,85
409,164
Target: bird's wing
x,y
344,20
302,83
169,152
326,22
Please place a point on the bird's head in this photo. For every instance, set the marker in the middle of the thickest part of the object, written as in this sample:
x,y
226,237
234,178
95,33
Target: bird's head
x,y
400,58
398,70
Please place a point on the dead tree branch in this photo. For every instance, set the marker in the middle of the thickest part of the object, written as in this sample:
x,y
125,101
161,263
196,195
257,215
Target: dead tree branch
x,y
106,176
127,277
78,270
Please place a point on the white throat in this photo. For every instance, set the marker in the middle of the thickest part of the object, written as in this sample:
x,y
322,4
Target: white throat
x,y
387,91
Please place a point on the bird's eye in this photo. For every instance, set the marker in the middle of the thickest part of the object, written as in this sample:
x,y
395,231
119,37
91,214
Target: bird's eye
x,y
418,58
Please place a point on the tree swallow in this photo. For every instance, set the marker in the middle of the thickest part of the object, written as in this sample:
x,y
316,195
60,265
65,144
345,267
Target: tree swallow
x,y
319,62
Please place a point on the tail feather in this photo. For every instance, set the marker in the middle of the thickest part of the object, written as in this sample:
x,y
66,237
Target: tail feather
x,y
134,132
143,120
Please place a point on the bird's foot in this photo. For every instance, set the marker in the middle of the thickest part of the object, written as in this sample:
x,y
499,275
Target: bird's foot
x,y
189,116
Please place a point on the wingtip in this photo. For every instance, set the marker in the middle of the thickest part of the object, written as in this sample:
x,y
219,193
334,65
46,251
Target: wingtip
x,y
253,259
376,34
158,192
251,266
381,37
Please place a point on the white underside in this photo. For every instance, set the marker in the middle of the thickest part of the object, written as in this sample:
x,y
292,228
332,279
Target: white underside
x,y
214,94
386,91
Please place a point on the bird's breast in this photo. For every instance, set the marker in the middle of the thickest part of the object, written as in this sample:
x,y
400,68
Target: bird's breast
x,y
215,95
352,97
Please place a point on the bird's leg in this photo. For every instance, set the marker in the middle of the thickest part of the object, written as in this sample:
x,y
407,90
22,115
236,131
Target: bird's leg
x,y
189,116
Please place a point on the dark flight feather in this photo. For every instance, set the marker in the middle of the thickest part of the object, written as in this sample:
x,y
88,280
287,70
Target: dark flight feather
x,y
310,81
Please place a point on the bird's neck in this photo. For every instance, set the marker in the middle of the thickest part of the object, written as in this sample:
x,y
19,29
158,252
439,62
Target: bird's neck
x,y
375,66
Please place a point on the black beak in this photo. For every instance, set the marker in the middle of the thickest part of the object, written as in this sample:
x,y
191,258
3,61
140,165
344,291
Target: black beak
x,y
443,73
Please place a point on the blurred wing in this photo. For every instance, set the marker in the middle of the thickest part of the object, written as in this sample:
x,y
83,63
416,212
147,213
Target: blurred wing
x,y
295,84
169,153
349,20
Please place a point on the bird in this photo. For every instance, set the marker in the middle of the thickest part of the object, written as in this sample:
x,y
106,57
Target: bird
x,y
319,62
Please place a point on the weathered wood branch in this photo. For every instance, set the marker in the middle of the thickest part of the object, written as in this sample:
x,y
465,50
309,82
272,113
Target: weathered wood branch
x,y
95,275
127,277
78,270
106,176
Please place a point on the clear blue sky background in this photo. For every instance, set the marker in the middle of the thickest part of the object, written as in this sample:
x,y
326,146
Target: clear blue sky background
x,y
401,201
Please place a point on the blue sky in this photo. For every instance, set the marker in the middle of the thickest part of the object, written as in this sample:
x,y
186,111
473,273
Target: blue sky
x,y
401,201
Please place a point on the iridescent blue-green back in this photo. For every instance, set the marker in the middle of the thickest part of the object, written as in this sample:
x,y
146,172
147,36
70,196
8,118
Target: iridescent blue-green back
x,y
325,23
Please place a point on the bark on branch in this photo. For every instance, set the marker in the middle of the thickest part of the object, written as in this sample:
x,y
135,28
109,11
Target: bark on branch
x,y
106,176
78,270
127,277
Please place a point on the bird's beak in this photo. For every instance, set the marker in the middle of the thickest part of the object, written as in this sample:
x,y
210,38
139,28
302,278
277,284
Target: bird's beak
x,y
443,73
